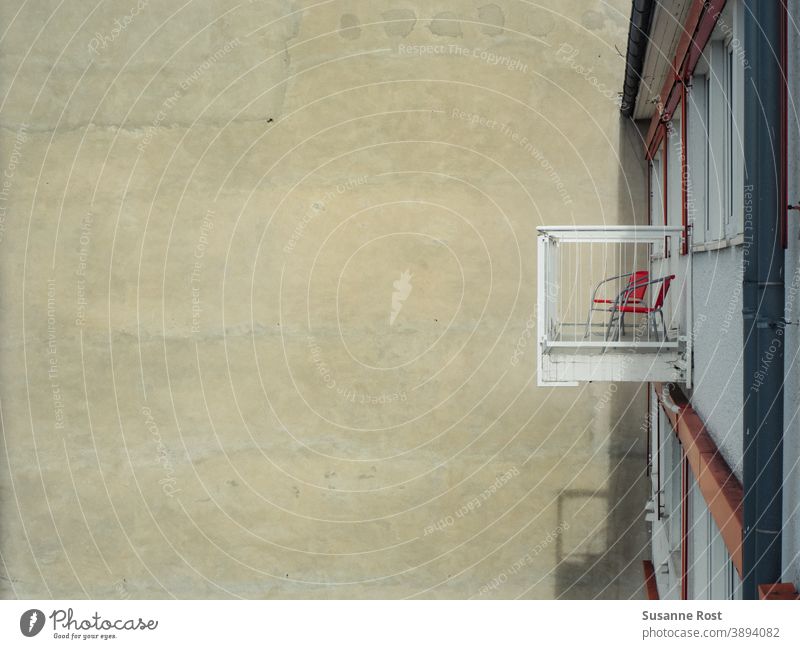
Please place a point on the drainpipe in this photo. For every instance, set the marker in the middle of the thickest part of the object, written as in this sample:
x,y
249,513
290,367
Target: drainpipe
x,y
763,300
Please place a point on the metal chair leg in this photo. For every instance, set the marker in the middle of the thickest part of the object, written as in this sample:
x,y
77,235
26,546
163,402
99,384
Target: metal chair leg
x,y
588,324
611,321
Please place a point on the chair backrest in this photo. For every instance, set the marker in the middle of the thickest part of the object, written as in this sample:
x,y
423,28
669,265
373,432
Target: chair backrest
x,y
637,286
662,292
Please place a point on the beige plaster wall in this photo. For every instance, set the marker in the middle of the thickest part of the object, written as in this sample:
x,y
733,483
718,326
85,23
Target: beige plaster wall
x,y
206,389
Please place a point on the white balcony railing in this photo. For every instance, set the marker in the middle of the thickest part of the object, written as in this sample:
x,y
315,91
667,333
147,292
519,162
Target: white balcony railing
x,y
613,304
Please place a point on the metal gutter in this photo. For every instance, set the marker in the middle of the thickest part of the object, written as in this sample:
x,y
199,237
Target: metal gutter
x,y
638,39
763,300
778,592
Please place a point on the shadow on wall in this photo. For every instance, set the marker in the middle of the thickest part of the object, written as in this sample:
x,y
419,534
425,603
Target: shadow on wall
x,y
632,181
600,553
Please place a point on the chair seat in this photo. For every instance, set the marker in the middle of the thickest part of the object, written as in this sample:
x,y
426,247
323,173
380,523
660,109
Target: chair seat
x,y
637,309
631,300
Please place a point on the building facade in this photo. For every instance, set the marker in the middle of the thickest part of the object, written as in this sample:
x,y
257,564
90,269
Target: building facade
x,y
713,87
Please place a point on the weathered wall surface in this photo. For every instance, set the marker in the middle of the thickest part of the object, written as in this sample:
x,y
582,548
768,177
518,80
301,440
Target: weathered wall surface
x,y
717,393
217,379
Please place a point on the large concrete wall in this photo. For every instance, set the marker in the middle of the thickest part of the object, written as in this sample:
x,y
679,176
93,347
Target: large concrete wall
x,y
216,380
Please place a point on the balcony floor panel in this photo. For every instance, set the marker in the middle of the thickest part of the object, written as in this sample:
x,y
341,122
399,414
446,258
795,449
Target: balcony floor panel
x,y
573,335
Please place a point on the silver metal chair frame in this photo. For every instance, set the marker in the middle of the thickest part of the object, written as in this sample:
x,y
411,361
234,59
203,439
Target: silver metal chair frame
x,y
607,308
651,315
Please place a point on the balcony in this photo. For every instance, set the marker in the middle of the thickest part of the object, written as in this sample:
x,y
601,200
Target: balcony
x,y
613,304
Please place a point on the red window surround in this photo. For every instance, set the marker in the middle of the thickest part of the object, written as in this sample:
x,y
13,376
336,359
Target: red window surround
x,y
778,592
697,30
684,526
721,489
684,172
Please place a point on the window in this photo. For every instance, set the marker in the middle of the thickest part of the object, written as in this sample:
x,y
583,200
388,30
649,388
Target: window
x,y
698,154
714,147
728,146
710,571
699,564
712,574
667,542
719,144
672,463
736,65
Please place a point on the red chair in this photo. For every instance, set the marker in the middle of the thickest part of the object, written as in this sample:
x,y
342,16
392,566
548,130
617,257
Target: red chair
x,y
635,288
623,305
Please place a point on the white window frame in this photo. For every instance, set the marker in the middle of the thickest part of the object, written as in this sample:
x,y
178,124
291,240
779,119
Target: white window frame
x,y
668,462
671,457
697,155
717,111
699,547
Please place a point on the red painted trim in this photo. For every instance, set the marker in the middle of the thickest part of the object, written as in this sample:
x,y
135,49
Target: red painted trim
x,y
664,192
649,192
649,436
692,24
698,43
650,584
665,174
697,30
659,483
785,591
684,526
684,173
721,489
655,136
